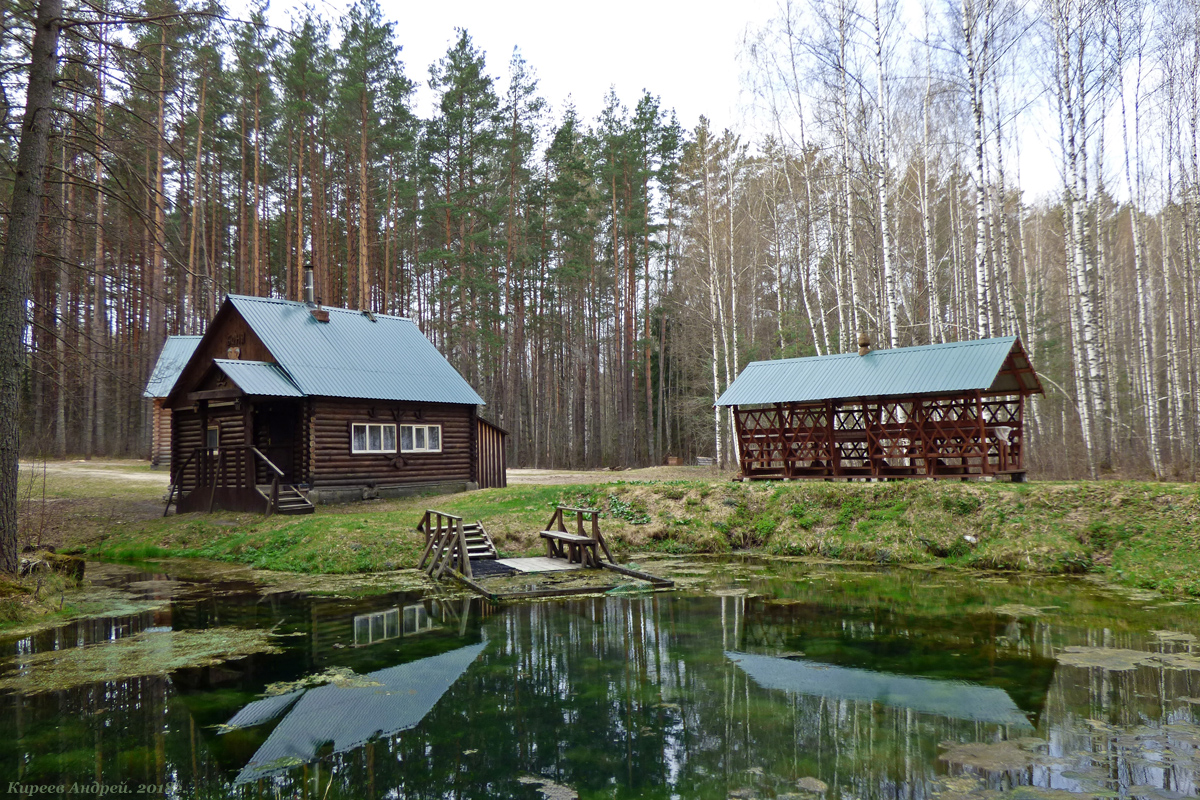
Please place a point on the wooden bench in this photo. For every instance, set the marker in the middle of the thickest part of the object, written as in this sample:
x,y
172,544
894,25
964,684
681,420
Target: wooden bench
x,y
579,549
580,546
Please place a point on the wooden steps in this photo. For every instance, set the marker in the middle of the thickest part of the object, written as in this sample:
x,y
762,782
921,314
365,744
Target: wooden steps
x,y
479,543
291,500
450,541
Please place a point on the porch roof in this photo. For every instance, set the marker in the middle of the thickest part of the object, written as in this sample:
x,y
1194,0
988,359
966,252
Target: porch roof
x,y
258,378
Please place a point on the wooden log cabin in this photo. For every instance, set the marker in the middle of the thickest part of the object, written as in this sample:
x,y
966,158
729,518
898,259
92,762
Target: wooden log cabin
x,y
954,410
286,404
171,361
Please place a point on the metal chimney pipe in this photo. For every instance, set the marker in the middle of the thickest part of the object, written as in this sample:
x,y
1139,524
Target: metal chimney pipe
x,y
308,285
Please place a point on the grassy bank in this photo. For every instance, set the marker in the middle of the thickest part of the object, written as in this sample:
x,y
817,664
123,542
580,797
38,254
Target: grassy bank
x,y
36,599
1140,534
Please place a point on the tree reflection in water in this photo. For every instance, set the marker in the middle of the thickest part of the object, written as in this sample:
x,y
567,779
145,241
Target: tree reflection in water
x,y
855,681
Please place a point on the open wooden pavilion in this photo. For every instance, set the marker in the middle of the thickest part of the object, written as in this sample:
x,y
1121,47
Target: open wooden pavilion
x,y
954,410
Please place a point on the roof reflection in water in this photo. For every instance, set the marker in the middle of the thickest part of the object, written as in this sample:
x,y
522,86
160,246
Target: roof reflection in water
x,y
349,716
943,698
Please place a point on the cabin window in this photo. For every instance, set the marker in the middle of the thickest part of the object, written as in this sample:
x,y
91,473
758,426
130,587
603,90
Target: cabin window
x,y
376,626
372,438
213,438
420,438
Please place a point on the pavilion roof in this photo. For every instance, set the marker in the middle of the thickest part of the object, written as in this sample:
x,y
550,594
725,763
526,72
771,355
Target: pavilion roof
x,y
993,366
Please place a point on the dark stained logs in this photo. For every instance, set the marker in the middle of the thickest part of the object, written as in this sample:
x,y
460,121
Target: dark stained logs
x,y
332,463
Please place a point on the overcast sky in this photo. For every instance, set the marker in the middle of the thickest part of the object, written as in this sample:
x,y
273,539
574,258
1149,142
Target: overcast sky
x,y
683,51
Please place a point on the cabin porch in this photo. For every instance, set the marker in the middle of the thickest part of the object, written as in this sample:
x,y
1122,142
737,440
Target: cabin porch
x,y
238,454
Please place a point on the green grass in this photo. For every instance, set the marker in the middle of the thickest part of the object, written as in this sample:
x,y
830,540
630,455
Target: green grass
x,y
1140,534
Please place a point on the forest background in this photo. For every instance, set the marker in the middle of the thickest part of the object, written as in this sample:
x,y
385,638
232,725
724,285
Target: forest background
x,y
601,281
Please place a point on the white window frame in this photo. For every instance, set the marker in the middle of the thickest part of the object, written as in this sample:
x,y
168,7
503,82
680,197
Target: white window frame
x,y
367,428
377,626
413,435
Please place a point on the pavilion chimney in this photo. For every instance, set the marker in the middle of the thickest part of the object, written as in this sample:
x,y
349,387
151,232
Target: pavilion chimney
x,y
864,344
308,284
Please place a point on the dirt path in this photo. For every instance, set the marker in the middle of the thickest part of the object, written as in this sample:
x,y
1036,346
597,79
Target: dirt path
x,y
123,471
129,470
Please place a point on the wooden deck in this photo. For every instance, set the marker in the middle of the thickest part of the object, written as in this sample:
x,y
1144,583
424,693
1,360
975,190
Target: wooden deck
x,y
448,551
538,564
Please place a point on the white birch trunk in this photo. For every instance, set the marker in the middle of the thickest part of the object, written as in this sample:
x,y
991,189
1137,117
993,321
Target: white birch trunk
x,y
971,23
889,279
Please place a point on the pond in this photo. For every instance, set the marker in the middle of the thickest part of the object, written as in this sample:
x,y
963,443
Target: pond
x,y
753,679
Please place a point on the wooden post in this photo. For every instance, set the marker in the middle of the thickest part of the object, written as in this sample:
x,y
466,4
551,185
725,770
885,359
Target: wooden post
x,y
212,496
599,537
430,535
835,453
464,556
984,467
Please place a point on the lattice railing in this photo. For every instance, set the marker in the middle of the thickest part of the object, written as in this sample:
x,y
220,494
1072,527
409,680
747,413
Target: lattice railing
x,y
959,436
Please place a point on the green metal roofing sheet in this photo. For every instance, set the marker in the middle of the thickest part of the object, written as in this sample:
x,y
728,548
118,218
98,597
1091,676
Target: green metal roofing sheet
x,y
176,352
354,355
258,377
929,369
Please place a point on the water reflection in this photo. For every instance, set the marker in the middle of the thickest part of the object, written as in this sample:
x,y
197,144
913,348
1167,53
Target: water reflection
x,y
942,698
380,703
873,685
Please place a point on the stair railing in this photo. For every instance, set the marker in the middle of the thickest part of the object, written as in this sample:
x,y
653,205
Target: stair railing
x,y
246,475
273,501
445,542
176,474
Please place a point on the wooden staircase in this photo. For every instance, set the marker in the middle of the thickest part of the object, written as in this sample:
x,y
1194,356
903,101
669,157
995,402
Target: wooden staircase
x,y
479,543
451,541
290,500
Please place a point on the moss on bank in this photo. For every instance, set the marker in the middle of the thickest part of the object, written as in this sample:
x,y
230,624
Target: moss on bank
x,y
1139,534
36,599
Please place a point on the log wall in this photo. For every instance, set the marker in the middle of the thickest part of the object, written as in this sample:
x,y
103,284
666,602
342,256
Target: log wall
x,y
189,432
332,464
160,434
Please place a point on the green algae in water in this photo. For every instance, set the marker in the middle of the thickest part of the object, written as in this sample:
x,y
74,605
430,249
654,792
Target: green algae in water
x,y
146,653
343,677
1116,659
634,696
1018,610
1005,756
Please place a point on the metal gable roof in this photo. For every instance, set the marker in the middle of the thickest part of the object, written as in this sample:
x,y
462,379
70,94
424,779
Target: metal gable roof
x,y
354,355
176,353
258,377
929,369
